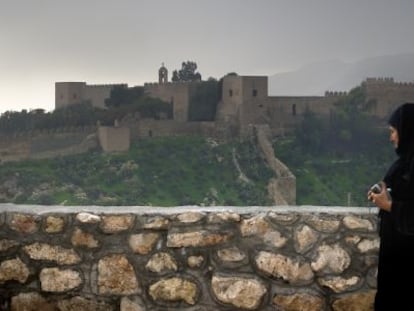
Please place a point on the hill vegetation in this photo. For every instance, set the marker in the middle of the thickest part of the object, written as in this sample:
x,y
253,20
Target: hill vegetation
x,y
194,171
334,159
156,171
333,179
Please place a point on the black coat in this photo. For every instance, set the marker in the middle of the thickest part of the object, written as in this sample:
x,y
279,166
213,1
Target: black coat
x,y
395,280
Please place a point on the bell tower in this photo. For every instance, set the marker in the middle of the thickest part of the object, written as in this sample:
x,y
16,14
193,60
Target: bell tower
x,y
162,74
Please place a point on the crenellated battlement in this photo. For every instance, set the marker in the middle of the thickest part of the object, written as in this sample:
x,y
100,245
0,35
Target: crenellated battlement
x,y
386,82
107,85
381,80
168,83
335,93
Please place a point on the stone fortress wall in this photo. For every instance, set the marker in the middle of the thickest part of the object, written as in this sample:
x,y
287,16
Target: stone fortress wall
x,y
69,93
387,93
47,143
245,101
177,94
187,258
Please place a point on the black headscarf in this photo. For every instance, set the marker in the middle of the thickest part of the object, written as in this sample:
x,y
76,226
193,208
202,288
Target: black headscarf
x,y
402,119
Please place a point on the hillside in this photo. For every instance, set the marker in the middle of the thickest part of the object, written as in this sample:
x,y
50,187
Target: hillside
x,y
329,179
166,171
191,171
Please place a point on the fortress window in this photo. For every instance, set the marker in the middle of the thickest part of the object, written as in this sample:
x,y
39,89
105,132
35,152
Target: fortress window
x,y
230,93
254,92
294,109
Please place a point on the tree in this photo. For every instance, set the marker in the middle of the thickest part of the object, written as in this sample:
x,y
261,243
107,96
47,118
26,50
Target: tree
x,y
122,96
187,73
310,133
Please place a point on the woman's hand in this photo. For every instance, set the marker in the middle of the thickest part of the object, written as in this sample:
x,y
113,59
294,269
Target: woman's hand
x,y
381,199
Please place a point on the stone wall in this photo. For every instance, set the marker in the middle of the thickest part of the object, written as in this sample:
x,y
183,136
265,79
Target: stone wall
x,y
282,187
286,112
177,94
72,93
162,128
245,100
114,138
14,150
387,94
187,258
48,143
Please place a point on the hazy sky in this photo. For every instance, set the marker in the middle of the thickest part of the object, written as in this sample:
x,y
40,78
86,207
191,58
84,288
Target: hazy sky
x,y
126,41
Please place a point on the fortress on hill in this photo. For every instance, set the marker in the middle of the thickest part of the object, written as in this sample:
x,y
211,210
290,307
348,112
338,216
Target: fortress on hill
x,y
244,110
244,104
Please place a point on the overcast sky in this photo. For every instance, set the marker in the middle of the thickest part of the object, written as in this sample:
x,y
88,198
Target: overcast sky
x,y
126,41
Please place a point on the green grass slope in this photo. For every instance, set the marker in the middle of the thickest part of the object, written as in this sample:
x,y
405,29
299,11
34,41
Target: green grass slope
x,y
173,171
167,171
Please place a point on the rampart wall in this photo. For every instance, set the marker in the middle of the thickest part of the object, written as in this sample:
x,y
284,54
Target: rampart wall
x,y
388,94
47,143
245,101
178,94
97,94
187,258
159,128
282,187
114,138
76,140
71,93
285,112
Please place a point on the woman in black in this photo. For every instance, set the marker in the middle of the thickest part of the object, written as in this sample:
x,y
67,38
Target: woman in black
x,y
395,278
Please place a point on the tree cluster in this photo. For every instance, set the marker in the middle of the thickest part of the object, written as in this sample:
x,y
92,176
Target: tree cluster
x,y
187,73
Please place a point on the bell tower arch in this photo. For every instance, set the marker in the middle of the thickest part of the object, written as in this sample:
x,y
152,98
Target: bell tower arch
x,y
162,74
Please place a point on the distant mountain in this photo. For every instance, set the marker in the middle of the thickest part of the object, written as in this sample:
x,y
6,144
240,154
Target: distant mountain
x,y
336,75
